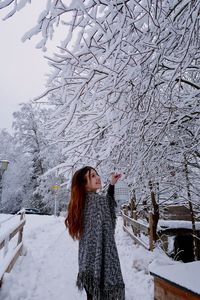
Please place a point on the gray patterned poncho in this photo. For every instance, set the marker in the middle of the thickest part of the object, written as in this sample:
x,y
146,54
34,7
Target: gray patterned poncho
x,y
99,266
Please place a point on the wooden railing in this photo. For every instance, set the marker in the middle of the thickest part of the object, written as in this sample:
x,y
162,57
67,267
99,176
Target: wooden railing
x,y
10,257
135,228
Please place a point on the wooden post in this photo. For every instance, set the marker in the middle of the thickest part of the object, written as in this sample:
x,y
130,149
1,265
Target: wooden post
x,y
20,236
132,207
151,240
164,239
125,210
133,213
135,230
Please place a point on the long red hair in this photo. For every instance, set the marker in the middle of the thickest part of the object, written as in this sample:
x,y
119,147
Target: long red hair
x,y
74,220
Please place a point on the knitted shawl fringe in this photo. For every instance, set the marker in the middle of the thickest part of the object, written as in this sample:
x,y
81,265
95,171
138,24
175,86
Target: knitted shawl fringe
x,y
85,280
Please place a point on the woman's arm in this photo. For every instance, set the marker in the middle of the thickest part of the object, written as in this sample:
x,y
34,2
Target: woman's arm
x,y
111,191
113,179
111,203
111,196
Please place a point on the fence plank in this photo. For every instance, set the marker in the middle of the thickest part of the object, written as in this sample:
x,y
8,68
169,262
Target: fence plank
x,y
139,241
140,226
9,260
13,233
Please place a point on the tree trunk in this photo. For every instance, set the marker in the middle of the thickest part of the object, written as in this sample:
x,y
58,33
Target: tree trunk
x,y
155,216
195,242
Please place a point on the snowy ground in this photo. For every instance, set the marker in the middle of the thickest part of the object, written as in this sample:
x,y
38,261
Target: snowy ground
x,y
49,269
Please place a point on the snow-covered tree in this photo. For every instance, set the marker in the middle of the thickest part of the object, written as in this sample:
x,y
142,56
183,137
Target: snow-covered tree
x,y
126,87
16,177
28,133
43,154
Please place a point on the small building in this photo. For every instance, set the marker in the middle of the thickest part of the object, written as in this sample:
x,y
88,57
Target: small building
x,y
176,224
177,282
175,212
181,233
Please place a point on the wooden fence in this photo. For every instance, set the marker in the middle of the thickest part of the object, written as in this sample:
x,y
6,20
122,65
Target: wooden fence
x,y
10,257
135,227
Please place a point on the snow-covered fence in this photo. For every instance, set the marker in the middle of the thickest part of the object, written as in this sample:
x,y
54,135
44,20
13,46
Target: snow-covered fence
x,y
10,256
138,228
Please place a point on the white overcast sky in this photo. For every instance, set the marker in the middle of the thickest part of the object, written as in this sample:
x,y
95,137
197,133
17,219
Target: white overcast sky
x,y
22,66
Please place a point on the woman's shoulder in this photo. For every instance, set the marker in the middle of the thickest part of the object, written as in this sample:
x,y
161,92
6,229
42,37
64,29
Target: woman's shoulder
x,y
96,199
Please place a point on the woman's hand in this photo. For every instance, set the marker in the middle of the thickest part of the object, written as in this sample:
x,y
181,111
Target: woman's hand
x,y
114,178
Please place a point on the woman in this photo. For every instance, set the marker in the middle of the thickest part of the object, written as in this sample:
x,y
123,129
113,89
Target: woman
x,y
91,219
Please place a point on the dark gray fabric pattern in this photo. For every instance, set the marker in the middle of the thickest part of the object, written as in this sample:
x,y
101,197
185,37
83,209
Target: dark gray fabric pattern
x,y
99,266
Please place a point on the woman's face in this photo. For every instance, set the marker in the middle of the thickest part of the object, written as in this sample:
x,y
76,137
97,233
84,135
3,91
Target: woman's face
x,y
93,181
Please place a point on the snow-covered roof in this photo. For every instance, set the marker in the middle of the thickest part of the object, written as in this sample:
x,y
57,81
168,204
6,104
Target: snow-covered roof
x,y
181,274
175,224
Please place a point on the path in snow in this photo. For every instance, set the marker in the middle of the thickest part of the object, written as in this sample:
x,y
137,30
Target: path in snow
x,y
49,269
